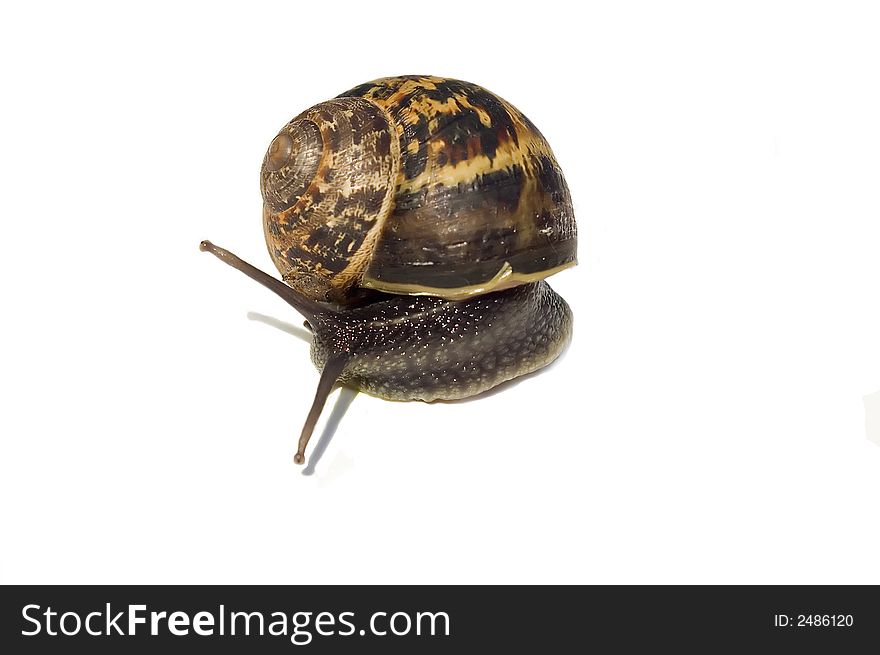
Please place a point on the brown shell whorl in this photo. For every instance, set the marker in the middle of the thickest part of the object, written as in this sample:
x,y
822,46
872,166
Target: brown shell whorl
x,y
328,182
290,164
481,202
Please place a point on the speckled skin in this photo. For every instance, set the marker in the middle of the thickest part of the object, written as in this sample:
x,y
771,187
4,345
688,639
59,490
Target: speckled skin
x,y
427,348
422,347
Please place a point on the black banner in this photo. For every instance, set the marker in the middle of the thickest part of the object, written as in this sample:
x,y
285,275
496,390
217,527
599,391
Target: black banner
x,y
438,619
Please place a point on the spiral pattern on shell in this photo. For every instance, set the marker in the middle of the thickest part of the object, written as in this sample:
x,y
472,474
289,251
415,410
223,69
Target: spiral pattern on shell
x,y
328,181
415,185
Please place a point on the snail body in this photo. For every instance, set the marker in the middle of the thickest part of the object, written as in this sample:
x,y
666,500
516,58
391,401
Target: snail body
x,y
413,221
428,348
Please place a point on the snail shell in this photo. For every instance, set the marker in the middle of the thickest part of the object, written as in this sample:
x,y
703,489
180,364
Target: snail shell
x,y
414,185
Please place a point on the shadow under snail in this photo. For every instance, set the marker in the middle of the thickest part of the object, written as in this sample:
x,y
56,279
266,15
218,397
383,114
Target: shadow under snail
x,y
413,220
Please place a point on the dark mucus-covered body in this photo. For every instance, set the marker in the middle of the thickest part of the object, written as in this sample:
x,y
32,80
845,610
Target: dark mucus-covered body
x,y
426,348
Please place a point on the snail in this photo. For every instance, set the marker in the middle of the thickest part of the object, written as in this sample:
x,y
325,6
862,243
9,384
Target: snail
x,y
413,220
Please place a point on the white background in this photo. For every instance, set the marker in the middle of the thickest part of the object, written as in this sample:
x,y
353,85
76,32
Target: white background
x,y
706,425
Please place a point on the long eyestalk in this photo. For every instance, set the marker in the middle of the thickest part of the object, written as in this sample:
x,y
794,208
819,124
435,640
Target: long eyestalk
x,y
308,308
305,306
332,370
